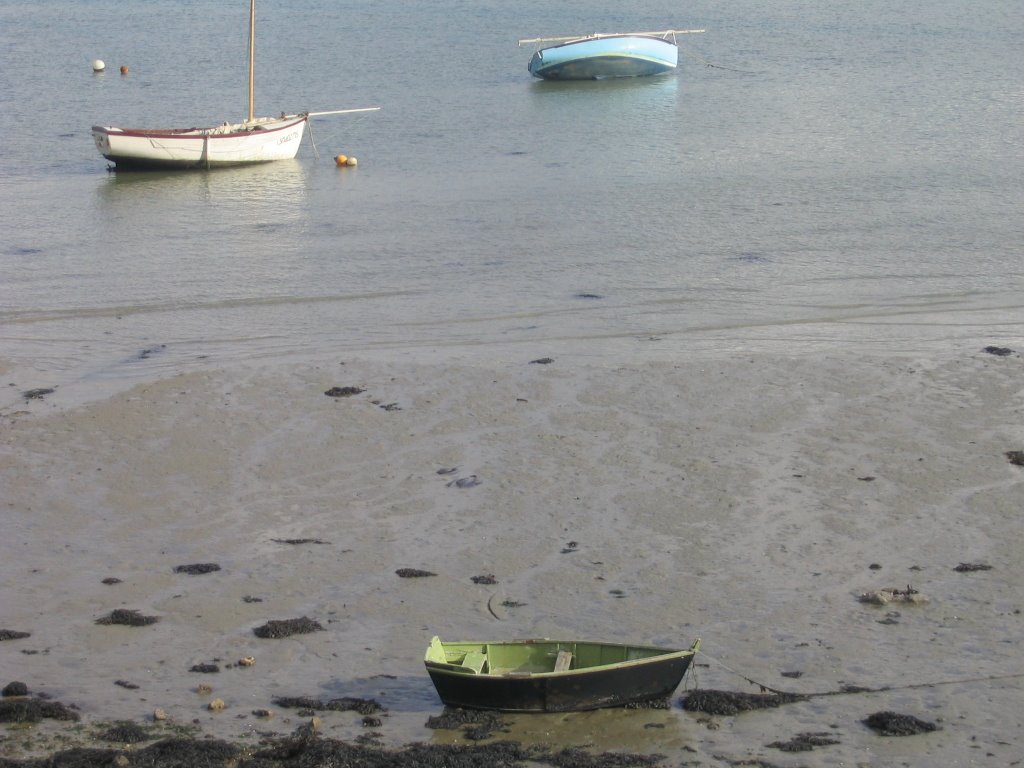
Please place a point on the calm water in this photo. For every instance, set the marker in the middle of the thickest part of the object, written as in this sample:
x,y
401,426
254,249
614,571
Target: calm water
x,y
842,176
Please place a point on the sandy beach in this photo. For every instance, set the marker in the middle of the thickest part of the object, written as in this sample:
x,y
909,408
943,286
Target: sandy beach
x,y
746,499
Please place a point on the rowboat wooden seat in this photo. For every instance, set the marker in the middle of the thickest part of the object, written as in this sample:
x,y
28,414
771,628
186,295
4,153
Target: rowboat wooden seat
x,y
563,661
476,661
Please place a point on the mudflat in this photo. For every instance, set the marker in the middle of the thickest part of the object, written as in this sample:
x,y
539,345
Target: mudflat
x,y
250,535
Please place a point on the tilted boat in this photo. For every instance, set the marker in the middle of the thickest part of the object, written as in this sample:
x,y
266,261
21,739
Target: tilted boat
x,y
600,56
553,675
253,140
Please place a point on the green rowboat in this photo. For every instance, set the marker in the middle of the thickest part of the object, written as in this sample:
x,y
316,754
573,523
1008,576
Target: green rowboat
x,y
553,675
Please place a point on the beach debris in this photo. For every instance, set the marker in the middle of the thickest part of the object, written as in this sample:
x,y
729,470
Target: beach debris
x,y
127,617
512,603
263,712
893,595
867,478
894,724
389,406
247,661
570,546
970,567
124,732
205,669
216,705
465,482
278,628
732,703
15,688
11,634
371,722
37,394
25,710
413,573
487,578
589,296
794,674
542,361
998,351
447,470
251,599
300,541
340,704
126,684
343,391
197,569
805,742
110,580
1016,458
204,690
159,714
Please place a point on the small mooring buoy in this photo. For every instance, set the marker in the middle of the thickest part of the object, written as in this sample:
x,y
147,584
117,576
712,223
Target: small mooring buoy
x,y
124,69
341,159
98,65
351,161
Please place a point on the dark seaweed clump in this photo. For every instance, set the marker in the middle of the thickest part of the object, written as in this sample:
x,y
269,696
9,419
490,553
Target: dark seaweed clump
x,y
305,749
275,629
487,578
10,634
206,669
127,617
299,541
413,573
197,569
970,567
998,351
15,688
731,703
805,742
477,724
343,391
33,710
1016,457
341,704
894,724
125,733
37,394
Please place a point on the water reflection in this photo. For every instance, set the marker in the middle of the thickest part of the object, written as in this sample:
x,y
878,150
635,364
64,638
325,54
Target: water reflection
x,y
279,188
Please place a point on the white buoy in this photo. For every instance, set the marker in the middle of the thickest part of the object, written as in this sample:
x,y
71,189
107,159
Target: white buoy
x,y
351,161
98,65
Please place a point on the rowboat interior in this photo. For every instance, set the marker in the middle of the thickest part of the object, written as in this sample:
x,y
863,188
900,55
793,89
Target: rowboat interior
x,y
536,657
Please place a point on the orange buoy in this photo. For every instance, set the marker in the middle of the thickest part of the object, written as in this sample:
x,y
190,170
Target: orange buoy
x,y
124,69
341,159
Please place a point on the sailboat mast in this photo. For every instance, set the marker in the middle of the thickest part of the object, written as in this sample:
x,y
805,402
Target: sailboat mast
x,y
252,56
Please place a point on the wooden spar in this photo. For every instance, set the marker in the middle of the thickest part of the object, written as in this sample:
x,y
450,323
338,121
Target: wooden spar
x,y
342,111
599,35
252,57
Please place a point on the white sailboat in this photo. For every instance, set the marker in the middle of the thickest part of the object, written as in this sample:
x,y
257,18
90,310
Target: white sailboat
x,y
253,140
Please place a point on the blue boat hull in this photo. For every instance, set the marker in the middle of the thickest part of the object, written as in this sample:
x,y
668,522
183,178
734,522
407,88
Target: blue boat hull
x,y
605,57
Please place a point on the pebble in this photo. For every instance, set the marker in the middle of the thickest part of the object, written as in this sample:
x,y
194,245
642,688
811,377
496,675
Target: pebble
x,y
216,705
159,714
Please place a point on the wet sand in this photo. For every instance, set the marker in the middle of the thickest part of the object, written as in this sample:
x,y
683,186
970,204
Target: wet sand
x,y
745,499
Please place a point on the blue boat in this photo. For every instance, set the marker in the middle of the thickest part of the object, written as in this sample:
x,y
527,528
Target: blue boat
x,y
600,56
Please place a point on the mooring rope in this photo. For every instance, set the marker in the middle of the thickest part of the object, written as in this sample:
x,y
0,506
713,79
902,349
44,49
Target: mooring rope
x,y
707,63
861,689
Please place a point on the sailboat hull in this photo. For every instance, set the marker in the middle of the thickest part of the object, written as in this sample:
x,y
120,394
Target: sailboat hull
x,y
603,57
258,141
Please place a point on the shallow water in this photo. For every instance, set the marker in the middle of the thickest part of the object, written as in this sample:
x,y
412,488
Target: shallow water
x,y
843,176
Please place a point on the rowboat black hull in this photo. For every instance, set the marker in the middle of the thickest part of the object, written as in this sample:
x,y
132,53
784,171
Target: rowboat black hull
x,y
567,692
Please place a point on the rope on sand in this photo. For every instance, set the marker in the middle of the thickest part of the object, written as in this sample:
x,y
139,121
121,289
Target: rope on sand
x,y
729,703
